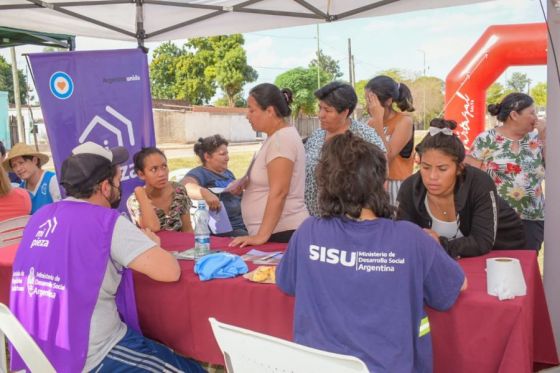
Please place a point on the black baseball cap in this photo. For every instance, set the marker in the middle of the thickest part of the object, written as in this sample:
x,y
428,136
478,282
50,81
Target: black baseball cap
x,y
90,163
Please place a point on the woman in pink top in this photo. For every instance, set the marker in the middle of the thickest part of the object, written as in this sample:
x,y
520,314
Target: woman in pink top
x,y
14,202
273,204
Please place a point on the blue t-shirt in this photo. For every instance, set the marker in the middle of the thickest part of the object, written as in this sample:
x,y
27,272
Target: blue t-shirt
x,y
43,196
361,287
232,203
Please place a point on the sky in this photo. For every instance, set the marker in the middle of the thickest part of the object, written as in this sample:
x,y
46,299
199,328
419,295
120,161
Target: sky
x,y
399,41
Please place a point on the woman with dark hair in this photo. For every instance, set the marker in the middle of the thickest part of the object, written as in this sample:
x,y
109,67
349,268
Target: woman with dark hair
x,y
454,203
159,204
208,181
514,156
354,271
272,203
337,101
394,127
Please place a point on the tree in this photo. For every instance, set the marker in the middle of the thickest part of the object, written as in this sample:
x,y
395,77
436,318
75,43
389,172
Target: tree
x,y
538,92
195,71
162,70
303,83
232,71
239,101
518,82
495,93
327,64
7,81
427,92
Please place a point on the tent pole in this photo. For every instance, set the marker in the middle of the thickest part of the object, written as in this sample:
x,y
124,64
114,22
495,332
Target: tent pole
x,y
552,209
17,97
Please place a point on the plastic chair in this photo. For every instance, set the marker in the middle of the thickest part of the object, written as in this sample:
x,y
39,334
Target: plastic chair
x,y
31,354
178,175
11,230
248,351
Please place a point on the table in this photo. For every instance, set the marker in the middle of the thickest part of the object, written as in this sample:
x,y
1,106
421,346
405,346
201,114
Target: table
x,y
479,334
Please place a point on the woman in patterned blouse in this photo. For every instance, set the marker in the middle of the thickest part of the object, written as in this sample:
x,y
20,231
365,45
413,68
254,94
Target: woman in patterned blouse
x,y
337,101
160,204
514,155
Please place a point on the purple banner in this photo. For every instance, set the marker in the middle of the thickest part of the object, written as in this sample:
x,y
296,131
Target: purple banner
x,y
99,96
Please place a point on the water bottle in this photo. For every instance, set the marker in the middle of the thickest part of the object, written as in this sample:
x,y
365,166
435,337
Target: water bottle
x,y
201,231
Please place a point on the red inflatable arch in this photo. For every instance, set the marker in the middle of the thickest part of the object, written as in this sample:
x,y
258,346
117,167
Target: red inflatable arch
x,y
498,48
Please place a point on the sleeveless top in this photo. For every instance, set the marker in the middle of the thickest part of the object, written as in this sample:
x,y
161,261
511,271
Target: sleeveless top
x,y
400,167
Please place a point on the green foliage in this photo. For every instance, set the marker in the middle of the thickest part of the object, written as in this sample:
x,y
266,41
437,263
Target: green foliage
x,y
518,82
7,82
428,94
238,101
232,71
327,64
495,93
303,83
162,70
202,65
397,74
359,88
538,92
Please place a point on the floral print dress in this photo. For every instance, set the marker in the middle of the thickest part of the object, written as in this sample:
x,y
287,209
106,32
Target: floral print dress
x,y
180,205
517,170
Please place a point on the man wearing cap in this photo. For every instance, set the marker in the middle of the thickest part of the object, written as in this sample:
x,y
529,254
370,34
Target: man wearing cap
x,y
69,266
42,185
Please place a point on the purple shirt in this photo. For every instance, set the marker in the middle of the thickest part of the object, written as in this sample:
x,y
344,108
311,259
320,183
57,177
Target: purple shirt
x,y
57,274
361,287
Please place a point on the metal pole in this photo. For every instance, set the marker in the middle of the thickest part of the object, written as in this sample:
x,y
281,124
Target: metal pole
x,y
350,60
423,89
17,98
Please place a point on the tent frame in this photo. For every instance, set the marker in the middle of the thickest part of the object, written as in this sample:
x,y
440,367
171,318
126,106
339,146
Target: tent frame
x,y
141,34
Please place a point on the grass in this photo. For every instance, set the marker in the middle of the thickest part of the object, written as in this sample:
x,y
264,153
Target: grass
x,y
238,162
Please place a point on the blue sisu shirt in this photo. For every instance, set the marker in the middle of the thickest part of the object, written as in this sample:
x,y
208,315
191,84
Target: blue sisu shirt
x,y
361,288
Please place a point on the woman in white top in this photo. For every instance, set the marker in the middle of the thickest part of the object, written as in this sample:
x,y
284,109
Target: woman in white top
x,y
273,205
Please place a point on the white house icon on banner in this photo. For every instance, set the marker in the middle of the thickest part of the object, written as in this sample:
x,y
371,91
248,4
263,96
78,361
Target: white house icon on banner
x,y
97,120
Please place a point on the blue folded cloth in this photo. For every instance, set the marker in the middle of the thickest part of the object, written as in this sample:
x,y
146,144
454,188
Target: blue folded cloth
x,y
219,265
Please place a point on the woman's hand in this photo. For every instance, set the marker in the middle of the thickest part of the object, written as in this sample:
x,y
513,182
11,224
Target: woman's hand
x,y
237,187
211,199
243,241
376,111
140,193
541,128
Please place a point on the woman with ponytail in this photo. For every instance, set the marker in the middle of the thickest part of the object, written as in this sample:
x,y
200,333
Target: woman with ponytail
x,y
514,156
394,127
272,203
206,181
455,203
355,263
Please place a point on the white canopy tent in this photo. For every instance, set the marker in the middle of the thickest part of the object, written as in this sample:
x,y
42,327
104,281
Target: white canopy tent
x,y
158,20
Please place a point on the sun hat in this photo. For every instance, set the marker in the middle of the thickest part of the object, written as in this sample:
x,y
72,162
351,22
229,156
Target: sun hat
x,y
89,163
19,150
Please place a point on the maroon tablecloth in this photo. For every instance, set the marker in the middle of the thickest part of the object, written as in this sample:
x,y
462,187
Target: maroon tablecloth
x,y
480,334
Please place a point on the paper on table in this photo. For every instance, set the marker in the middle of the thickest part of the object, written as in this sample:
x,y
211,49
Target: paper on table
x,y
219,220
